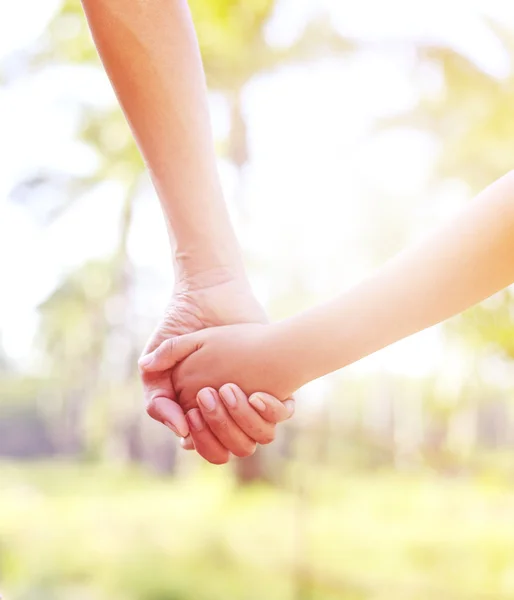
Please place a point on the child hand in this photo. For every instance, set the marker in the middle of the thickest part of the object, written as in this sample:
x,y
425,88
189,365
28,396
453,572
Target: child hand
x,y
245,355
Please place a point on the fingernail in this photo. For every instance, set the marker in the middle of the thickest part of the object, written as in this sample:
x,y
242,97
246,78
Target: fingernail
x,y
187,443
229,396
144,361
289,404
172,427
195,419
257,402
207,399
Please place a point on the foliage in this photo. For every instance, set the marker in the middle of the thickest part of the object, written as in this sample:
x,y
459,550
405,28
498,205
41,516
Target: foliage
x,y
378,537
469,112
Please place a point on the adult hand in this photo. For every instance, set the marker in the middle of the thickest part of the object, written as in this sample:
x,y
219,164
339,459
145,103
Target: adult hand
x,y
227,419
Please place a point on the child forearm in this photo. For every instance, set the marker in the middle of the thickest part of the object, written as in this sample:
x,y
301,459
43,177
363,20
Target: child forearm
x,y
460,264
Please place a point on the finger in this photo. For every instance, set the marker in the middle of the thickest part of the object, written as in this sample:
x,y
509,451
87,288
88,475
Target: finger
x,y
169,353
205,441
159,385
169,413
156,339
160,402
187,443
221,424
245,416
270,408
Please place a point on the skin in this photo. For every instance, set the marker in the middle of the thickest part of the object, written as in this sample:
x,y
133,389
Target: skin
x,y
150,53
223,430
234,406
462,263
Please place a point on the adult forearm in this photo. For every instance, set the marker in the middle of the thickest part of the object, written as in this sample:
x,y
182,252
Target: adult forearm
x,y
150,52
459,265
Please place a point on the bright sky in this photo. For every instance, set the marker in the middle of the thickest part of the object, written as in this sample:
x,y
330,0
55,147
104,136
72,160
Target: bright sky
x,y
312,163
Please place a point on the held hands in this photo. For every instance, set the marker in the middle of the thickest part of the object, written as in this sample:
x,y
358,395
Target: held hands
x,y
242,354
214,299
200,363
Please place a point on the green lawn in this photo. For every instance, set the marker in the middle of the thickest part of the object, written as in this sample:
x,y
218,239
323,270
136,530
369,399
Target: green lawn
x,y
91,533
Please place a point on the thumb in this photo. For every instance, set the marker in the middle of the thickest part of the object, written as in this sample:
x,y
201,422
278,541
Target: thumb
x,y
170,353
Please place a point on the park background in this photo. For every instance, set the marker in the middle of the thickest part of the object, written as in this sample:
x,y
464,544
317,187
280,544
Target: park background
x,y
345,131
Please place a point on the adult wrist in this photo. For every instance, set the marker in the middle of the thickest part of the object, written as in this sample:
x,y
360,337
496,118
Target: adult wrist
x,y
194,261
197,274
203,240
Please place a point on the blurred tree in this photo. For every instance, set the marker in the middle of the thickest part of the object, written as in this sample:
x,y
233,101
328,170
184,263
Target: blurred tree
x,y
469,111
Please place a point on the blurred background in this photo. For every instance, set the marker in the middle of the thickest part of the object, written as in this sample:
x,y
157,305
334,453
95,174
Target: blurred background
x,y
345,131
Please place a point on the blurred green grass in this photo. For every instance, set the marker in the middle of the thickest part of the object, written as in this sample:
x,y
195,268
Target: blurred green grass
x,y
85,532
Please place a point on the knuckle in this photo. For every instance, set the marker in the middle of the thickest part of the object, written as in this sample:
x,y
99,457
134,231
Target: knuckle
x,y
179,378
183,377
184,383
188,400
219,422
167,347
155,403
151,410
